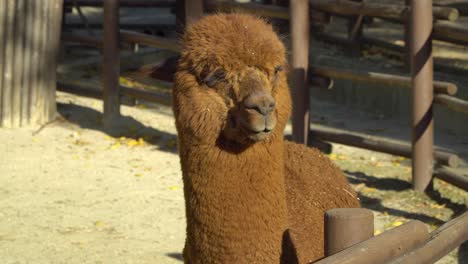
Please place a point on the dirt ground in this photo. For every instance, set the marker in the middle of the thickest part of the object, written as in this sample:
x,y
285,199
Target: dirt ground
x,y
71,193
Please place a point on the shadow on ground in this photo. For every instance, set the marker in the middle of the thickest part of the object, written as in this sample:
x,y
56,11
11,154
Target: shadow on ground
x,y
397,185
177,256
126,126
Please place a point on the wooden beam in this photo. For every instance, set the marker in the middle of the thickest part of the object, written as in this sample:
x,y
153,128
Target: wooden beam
x,y
384,247
386,11
453,103
375,143
379,78
442,241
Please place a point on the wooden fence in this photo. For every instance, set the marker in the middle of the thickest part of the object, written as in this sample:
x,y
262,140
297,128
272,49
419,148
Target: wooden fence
x,y
418,243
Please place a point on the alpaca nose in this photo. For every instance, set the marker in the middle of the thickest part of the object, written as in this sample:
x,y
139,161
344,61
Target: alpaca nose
x,y
261,102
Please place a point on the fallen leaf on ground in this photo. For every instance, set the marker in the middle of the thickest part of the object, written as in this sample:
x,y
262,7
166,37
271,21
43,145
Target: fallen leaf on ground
x,y
115,145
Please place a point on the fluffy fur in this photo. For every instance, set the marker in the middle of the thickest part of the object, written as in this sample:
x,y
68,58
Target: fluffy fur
x,y
251,197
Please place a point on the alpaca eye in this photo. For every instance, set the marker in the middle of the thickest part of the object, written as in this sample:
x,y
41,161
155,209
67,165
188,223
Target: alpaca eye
x,y
278,69
214,77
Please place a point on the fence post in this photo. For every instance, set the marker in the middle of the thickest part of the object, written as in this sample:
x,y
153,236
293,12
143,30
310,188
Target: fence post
x,y
187,11
355,27
345,227
111,63
299,23
422,93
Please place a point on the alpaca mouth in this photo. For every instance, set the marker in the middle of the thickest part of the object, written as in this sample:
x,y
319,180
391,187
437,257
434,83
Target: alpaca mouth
x,y
256,135
259,136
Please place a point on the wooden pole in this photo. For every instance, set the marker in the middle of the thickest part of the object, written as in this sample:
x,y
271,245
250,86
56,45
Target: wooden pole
x,y
187,11
345,227
111,63
29,44
355,29
299,23
422,93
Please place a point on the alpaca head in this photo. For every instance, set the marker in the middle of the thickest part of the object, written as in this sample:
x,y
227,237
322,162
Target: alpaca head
x,y
233,68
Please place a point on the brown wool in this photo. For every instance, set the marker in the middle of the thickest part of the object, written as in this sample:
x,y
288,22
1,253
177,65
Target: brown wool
x,y
247,200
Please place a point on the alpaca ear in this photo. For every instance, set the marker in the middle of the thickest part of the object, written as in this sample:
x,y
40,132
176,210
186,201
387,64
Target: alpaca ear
x,y
212,78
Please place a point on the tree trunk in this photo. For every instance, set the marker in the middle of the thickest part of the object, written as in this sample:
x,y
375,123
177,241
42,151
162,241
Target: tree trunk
x,y
29,44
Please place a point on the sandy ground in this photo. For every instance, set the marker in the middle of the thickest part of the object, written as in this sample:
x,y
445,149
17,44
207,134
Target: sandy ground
x,y
71,193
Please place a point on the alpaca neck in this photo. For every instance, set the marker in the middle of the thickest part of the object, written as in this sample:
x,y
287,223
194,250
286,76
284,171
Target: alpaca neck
x,y
236,202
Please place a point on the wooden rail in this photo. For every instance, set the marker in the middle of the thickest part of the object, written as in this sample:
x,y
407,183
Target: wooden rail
x,y
387,11
380,144
145,39
124,3
453,177
382,248
453,103
451,32
441,242
379,78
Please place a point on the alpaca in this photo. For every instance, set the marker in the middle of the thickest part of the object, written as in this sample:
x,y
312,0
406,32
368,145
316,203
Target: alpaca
x,y
251,196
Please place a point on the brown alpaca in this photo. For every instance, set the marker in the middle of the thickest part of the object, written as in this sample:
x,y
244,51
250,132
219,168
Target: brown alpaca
x,y
251,197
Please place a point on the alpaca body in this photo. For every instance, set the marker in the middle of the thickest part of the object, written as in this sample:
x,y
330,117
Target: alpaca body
x,y
250,196
314,185
237,207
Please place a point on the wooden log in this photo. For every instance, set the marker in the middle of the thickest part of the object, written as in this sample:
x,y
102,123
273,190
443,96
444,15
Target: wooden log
x,y
151,96
133,25
257,9
453,103
92,92
299,25
391,47
384,247
125,3
451,32
453,177
29,41
380,78
380,144
398,13
140,38
85,40
460,5
442,241
126,37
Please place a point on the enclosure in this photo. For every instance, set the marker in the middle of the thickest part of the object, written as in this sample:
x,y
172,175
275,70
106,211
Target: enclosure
x,y
100,182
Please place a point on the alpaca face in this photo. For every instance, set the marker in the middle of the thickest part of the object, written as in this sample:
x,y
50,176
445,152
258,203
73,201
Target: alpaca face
x,y
234,66
249,98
